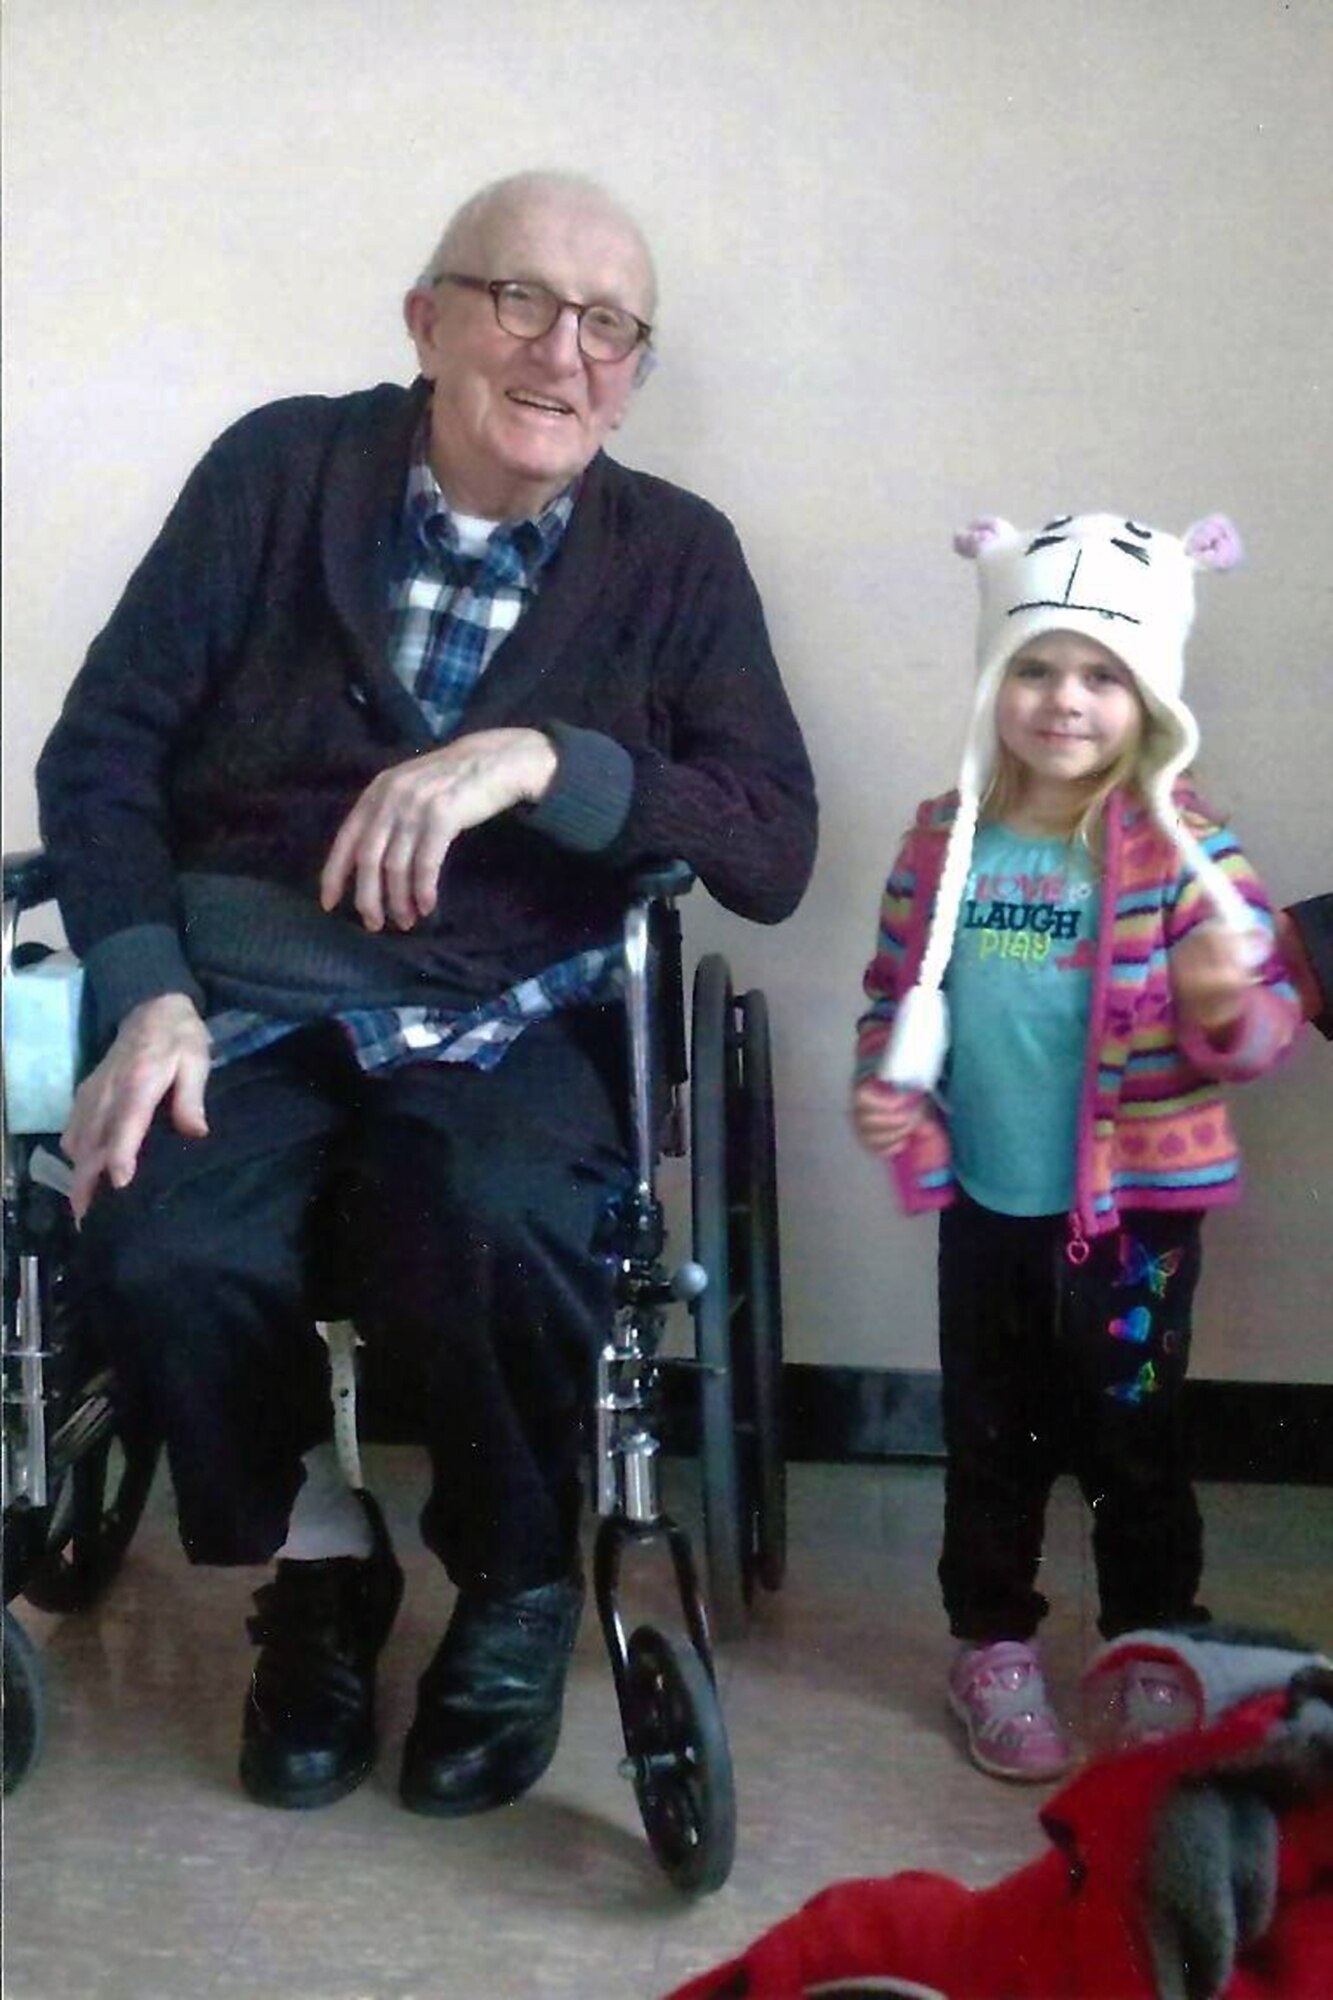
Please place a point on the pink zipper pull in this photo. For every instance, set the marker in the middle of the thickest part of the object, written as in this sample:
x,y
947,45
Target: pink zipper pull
x,y
1077,1249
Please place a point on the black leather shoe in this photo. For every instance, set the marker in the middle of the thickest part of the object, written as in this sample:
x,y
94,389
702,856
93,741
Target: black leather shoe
x,y
489,1703
308,1736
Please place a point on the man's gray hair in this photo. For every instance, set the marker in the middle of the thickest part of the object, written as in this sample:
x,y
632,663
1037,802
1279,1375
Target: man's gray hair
x,y
510,192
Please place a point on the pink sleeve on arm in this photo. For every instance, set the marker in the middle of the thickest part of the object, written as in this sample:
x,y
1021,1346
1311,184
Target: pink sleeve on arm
x,y
1255,1041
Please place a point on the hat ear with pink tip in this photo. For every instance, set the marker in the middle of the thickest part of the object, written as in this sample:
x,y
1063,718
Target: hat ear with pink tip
x,y
1131,588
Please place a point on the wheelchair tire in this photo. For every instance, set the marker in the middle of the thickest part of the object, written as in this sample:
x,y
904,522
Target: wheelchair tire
x,y
680,1761
759,1332
96,1511
23,1724
714,1091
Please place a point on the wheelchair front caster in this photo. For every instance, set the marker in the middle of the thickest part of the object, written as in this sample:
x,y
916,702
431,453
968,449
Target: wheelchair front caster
x,y
24,1717
679,1761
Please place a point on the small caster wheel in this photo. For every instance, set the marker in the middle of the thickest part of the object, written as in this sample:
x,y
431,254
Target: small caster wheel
x,y
24,1719
679,1761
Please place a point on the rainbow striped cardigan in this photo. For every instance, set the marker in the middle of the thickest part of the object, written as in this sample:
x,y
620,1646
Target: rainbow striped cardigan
x,y
1153,1131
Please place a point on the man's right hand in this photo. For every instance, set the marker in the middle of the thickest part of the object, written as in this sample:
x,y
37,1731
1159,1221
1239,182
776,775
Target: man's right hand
x,y
161,1049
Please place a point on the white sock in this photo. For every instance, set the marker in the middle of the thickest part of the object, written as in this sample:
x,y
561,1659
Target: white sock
x,y
327,1518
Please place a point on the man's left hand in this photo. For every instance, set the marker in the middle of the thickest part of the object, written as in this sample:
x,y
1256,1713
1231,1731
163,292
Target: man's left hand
x,y
395,838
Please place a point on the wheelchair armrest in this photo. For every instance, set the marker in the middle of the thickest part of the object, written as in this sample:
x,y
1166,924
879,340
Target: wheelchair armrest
x,y
28,878
661,879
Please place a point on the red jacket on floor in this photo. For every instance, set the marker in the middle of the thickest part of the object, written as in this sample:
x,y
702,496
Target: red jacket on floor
x,y
1193,1868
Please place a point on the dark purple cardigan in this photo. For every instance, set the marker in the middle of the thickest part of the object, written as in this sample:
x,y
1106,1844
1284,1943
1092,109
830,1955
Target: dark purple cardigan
x,y
241,697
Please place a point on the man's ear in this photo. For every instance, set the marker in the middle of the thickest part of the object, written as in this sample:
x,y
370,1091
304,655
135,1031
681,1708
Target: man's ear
x,y
643,368
420,310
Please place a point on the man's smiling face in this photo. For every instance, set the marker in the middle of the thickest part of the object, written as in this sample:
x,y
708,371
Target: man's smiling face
x,y
513,421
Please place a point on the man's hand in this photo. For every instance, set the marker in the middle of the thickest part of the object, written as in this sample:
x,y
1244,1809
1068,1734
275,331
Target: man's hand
x,y
1210,978
884,1118
161,1049
1300,971
396,836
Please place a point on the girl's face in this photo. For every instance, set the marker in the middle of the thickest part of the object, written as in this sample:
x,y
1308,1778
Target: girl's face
x,y
1067,709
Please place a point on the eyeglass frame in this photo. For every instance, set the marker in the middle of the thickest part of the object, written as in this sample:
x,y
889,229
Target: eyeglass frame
x,y
497,285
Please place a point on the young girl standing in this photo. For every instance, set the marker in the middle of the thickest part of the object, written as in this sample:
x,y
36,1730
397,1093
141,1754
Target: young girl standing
x,y
1071,955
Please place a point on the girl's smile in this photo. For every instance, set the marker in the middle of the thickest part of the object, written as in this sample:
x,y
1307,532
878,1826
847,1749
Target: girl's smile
x,y
1067,709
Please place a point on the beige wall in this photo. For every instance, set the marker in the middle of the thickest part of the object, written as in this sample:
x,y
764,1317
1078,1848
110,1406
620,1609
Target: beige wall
x,y
920,259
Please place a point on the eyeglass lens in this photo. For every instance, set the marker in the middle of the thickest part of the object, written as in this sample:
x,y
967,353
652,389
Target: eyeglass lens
x,y
530,311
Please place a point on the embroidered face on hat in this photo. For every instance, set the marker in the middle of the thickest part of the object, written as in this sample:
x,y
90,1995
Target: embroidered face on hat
x,y
1131,588
1126,585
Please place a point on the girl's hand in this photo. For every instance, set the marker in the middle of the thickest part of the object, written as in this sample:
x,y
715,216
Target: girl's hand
x,y
1210,976
884,1118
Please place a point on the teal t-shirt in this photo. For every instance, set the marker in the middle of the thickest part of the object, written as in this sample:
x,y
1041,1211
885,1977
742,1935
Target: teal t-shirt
x,y
1019,986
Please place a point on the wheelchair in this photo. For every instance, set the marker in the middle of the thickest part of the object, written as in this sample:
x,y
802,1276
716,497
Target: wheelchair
x,y
78,1466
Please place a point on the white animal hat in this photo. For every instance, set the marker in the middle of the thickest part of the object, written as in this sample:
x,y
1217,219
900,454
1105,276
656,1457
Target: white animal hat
x,y
1130,588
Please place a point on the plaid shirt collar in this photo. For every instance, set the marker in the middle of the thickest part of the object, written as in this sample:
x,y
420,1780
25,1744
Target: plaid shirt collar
x,y
516,552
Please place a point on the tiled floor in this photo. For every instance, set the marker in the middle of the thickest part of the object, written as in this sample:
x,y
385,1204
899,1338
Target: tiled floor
x,y
134,1869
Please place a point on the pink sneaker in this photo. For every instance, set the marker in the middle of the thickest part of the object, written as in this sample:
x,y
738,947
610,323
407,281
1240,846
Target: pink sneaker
x,y
999,1694
1138,1696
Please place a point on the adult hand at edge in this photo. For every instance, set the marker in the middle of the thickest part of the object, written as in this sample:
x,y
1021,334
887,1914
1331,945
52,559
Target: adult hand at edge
x,y
161,1050
393,842
1300,970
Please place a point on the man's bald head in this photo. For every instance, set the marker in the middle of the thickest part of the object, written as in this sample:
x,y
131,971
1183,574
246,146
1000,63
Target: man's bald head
x,y
491,218
519,411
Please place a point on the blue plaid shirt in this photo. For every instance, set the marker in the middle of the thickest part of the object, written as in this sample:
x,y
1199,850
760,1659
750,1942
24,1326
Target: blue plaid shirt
x,y
459,589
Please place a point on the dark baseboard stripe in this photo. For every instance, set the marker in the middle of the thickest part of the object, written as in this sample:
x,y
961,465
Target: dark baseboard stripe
x,y
1278,1433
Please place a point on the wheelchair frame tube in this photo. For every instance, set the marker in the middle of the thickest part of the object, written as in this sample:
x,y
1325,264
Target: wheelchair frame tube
x,y
614,1535
25,1452
638,1005
626,1448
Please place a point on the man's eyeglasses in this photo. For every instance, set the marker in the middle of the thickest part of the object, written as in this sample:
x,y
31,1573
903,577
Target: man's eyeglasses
x,y
528,311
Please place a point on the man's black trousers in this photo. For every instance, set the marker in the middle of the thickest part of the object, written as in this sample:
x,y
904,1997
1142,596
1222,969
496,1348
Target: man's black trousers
x,y
448,1210
1047,1367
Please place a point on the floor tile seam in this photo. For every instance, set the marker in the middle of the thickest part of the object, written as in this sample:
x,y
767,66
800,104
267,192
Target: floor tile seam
x,y
227,1953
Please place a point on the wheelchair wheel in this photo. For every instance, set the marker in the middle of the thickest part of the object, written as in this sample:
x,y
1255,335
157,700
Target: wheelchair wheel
x,y
23,1724
715,1077
738,1317
97,1509
759,1329
98,1471
680,1761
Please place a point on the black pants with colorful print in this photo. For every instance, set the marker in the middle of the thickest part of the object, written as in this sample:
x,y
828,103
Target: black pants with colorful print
x,y
1048,1367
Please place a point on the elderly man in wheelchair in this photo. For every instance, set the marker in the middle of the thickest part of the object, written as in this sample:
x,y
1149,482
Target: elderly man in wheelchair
x,y
341,812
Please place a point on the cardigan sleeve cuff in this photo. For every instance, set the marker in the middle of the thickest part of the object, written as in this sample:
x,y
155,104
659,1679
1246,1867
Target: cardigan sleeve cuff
x,y
589,798
132,966
1255,1041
